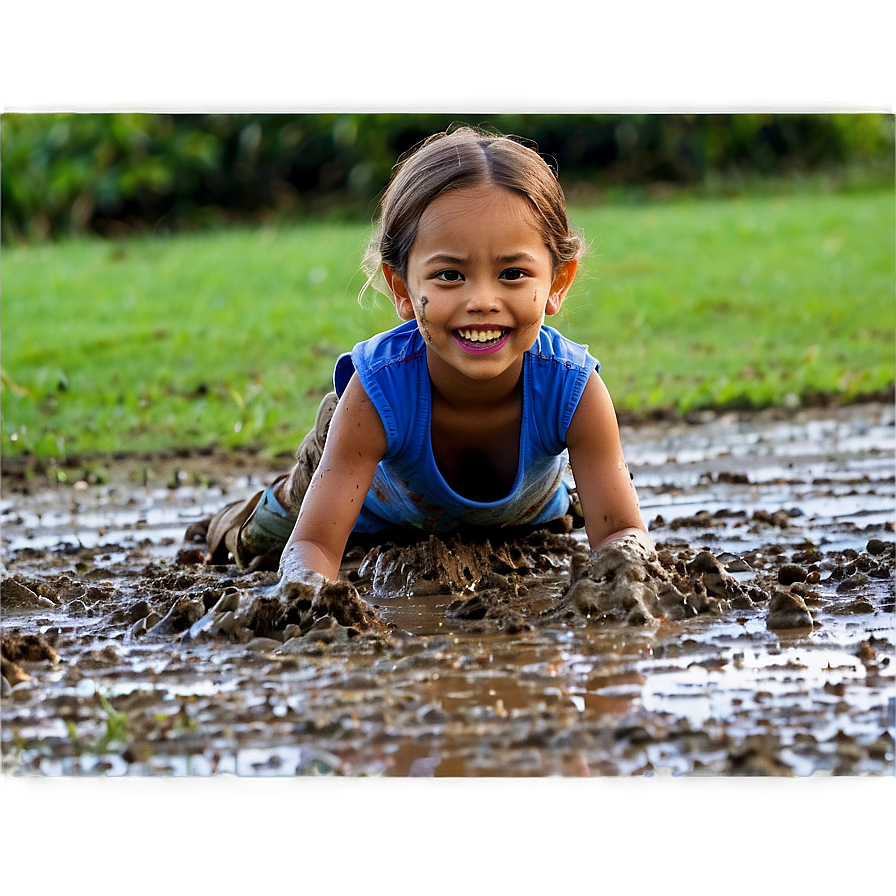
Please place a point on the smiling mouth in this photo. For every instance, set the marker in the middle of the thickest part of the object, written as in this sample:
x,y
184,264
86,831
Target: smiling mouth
x,y
485,337
482,342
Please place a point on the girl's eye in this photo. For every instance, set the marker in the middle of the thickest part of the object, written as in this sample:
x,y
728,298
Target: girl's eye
x,y
512,274
450,276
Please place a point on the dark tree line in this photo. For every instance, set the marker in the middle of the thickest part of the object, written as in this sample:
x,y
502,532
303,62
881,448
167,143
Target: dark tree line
x,y
113,174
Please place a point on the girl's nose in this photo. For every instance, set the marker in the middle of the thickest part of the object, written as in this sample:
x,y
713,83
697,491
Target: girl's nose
x,y
483,299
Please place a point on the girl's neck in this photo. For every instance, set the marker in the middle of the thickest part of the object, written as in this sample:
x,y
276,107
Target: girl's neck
x,y
454,390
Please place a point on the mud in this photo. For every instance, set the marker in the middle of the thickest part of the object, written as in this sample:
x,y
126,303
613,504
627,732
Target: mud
x,y
757,640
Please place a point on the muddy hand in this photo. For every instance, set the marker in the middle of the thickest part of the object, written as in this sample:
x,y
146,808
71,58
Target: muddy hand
x,y
239,613
621,581
289,608
309,599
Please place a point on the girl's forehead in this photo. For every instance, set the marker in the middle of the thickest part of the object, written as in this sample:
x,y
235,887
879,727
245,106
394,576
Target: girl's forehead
x,y
474,212
472,200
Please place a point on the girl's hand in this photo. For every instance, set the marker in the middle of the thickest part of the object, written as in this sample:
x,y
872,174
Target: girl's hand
x,y
303,603
621,581
295,575
301,586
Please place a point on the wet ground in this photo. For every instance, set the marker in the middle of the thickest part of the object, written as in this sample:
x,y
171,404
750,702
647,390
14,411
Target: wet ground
x,y
760,643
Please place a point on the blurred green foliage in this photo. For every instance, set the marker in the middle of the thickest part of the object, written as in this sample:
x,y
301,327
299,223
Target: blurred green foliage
x,y
118,173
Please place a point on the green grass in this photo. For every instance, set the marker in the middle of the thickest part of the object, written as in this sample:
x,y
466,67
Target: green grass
x,y
740,303
229,337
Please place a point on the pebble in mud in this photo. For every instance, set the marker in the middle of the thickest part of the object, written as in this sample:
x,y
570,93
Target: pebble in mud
x,y
788,611
790,573
878,546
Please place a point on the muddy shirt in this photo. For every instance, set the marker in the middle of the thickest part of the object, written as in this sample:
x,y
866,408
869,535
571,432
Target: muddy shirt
x,y
408,489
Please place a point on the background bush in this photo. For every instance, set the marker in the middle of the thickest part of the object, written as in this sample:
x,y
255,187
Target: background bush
x,y
114,174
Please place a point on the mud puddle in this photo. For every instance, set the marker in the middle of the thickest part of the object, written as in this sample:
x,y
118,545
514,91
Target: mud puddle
x,y
763,646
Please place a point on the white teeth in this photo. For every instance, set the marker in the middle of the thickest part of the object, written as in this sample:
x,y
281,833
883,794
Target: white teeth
x,y
481,335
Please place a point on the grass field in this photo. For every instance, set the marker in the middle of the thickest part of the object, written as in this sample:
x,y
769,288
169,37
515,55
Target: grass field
x,y
229,337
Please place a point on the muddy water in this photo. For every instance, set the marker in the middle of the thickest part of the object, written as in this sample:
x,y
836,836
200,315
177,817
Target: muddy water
x,y
769,652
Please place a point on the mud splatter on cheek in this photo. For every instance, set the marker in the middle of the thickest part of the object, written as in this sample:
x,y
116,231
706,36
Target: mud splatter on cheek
x,y
424,323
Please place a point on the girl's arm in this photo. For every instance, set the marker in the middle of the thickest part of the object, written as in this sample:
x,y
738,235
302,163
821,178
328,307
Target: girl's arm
x,y
356,442
609,501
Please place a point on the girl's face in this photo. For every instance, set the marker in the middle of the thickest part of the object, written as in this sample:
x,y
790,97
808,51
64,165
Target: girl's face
x,y
479,282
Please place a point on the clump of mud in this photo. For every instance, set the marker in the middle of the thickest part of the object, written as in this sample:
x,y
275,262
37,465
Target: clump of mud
x,y
492,580
627,582
501,582
16,648
464,563
495,581
26,648
21,595
505,583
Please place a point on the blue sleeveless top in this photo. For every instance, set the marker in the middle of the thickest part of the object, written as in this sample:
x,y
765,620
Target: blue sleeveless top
x,y
408,490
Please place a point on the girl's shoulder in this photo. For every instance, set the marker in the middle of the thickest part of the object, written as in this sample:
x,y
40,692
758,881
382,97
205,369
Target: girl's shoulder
x,y
557,372
552,345
397,344
400,344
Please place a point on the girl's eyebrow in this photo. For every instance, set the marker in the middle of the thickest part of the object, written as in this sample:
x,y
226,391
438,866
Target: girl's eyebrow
x,y
443,258
515,257
446,258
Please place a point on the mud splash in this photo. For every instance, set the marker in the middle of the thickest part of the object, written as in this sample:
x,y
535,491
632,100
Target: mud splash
x,y
757,640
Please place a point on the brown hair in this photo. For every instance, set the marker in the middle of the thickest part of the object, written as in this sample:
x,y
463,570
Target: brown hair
x,y
460,158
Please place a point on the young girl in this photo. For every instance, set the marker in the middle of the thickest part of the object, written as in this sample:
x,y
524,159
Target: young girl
x,y
468,413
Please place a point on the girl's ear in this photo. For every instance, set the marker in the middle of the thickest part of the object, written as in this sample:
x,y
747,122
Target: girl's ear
x,y
560,286
400,295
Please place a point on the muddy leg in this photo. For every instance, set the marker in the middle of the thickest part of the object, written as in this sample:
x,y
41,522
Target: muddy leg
x,y
255,531
291,491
